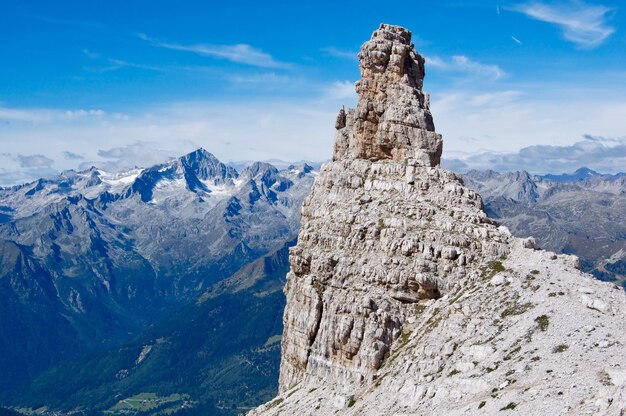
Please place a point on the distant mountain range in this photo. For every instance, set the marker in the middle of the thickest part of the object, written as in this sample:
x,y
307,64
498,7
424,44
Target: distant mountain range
x,y
278,163
582,174
167,281
583,213
92,260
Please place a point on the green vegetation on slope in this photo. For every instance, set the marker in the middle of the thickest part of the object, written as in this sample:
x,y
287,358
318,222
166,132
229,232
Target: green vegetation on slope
x,y
220,354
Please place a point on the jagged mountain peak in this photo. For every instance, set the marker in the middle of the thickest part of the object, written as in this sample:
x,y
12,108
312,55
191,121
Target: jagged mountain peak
x,y
302,167
206,166
585,171
259,169
200,153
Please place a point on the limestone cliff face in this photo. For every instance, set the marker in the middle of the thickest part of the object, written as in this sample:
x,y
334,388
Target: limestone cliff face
x,y
392,119
405,298
383,228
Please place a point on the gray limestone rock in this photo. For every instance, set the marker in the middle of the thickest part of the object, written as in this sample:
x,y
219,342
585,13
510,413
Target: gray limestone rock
x,y
392,119
405,298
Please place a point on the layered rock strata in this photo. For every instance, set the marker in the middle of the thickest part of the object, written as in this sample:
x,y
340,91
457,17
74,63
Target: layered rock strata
x,y
392,119
405,298
383,228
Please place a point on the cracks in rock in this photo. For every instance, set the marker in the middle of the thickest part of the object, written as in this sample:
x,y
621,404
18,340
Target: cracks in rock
x,y
320,312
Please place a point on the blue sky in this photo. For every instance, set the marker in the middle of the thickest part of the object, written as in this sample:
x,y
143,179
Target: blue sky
x,y
536,85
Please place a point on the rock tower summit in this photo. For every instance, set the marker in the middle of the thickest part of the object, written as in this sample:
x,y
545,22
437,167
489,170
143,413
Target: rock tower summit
x,y
392,119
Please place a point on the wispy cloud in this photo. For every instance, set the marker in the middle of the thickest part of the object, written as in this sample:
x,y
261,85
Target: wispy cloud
x,y
43,115
342,90
72,156
138,154
89,54
10,115
269,79
239,53
74,114
464,64
516,40
583,24
340,53
34,161
111,64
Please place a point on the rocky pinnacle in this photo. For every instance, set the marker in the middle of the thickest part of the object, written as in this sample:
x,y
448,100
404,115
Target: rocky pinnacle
x,y
392,119
403,297
383,229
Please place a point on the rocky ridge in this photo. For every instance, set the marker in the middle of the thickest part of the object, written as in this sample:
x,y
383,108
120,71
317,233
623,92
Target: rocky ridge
x,y
582,214
405,298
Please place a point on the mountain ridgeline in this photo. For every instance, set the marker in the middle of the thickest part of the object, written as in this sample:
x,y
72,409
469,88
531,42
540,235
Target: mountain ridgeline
x,y
97,264
583,213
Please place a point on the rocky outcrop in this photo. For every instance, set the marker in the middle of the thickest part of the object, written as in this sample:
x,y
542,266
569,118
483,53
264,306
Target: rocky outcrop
x,y
383,229
376,238
405,298
392,119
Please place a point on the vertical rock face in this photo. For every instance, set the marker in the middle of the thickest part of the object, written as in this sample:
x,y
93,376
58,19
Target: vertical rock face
x,y
404,298
383,229
392,119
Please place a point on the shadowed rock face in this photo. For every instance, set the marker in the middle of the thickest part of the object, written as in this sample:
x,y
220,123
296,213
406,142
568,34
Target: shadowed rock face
x,y
392,119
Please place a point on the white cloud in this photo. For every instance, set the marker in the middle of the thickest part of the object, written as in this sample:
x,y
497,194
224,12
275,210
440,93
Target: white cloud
x,y
606,155
436,62
34,161
475,122
240,53
72,114
9,115
263,79
44,115
466,65
342,90
71,155
583,24
474,67
139,153
89,54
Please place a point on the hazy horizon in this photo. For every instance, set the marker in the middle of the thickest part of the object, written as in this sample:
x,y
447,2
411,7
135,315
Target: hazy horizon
x,y
514,85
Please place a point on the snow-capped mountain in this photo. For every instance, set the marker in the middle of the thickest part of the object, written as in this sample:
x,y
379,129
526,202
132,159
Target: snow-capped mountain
x,y
87,259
